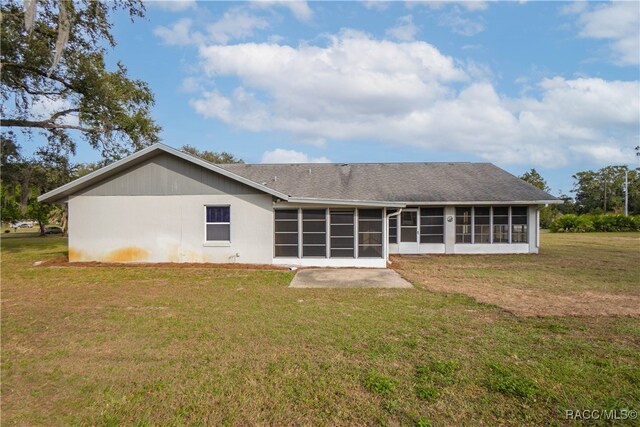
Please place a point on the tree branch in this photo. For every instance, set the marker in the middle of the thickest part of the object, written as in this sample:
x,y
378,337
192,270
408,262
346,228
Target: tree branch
x,y
35,92
62,113
41,73
44,124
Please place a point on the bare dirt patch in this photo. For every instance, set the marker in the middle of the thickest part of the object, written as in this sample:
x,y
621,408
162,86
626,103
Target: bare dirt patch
x,y
64,262
523,302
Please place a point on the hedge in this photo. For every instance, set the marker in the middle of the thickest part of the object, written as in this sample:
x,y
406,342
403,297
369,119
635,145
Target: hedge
x,y
586,223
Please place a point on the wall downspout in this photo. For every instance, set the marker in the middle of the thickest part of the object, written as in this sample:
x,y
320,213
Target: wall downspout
x,y
386,227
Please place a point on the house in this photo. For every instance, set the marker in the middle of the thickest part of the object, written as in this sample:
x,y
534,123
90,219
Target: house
x,y
162,205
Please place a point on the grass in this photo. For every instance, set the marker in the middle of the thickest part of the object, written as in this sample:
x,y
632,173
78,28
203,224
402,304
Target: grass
x,y
167,346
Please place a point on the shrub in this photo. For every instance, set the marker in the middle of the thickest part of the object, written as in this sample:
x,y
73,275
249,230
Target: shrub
x,y
595,222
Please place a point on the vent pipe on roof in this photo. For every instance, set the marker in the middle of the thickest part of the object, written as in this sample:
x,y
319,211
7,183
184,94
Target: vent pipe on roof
x,y
309,171
275,178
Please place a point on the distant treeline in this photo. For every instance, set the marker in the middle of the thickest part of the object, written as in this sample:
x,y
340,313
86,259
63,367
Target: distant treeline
x,y
599,197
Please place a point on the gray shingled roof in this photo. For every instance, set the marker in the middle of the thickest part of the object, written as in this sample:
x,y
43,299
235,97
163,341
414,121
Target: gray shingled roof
x,y
394,182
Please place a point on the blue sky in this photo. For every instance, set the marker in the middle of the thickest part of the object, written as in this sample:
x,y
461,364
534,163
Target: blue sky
x,y
550,85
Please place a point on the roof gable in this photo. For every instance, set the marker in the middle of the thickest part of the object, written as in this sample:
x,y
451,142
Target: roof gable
x,y
118,168
166,175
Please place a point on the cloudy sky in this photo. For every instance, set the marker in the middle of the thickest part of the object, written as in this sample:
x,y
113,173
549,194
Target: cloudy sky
x,y
550,85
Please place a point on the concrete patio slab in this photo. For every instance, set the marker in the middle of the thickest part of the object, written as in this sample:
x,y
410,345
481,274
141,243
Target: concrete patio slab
x,y
348,278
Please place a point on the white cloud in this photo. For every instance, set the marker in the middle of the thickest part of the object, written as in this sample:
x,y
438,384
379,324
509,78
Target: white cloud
x,y
191,85
378,5
603,154
172,5
300,9
236,23
618,22
461,25
456,14
405,30
280,155
177,34
408,93
470,5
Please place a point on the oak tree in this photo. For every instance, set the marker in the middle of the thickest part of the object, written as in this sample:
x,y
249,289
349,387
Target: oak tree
x,y
55,80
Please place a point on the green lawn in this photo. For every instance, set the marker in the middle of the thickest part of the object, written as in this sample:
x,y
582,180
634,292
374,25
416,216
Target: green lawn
x,y
206,346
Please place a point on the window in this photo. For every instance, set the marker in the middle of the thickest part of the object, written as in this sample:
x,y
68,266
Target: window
x,y
463,225
500,225
286,233
342,227
519,224
218,223
370,233
481,221
432,225
393,229
314,233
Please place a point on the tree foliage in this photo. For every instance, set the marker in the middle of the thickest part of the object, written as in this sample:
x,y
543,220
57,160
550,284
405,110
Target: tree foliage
x,y
211,156
55,80
24,179
602,191
535,179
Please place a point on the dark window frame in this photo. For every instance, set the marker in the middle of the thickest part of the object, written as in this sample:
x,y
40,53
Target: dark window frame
x,y
423,226
468,225
498,229
362,247
296,232
334,250
218,223
524,225
484,227
393,235
309,246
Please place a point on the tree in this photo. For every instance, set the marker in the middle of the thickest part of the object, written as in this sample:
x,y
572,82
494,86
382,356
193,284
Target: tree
x,y
602,191
10,208
535,179
549,213
211,156
53,59
39,212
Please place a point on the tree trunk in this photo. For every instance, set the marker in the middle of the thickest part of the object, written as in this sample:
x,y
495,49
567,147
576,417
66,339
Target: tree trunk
x,y
65,219
41,225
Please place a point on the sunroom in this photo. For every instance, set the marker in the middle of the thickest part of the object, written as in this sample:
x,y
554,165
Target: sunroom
x,y
336,237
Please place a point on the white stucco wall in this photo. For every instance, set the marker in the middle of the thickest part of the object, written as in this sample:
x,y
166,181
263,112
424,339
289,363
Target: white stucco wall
x,y
168,229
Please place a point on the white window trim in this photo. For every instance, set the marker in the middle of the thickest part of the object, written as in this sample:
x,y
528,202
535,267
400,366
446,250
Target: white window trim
x,y
216,243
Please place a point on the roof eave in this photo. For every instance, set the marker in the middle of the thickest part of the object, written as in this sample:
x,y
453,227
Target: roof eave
x,y
485,202
343,202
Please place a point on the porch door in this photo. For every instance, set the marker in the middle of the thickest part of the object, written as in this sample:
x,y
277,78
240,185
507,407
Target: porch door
x,y
408,242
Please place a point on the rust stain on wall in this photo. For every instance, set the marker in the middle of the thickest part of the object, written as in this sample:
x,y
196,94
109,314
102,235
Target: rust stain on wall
x,y
127,254
76,255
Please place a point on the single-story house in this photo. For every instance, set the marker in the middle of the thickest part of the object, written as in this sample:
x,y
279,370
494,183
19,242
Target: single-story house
x,y
163,205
